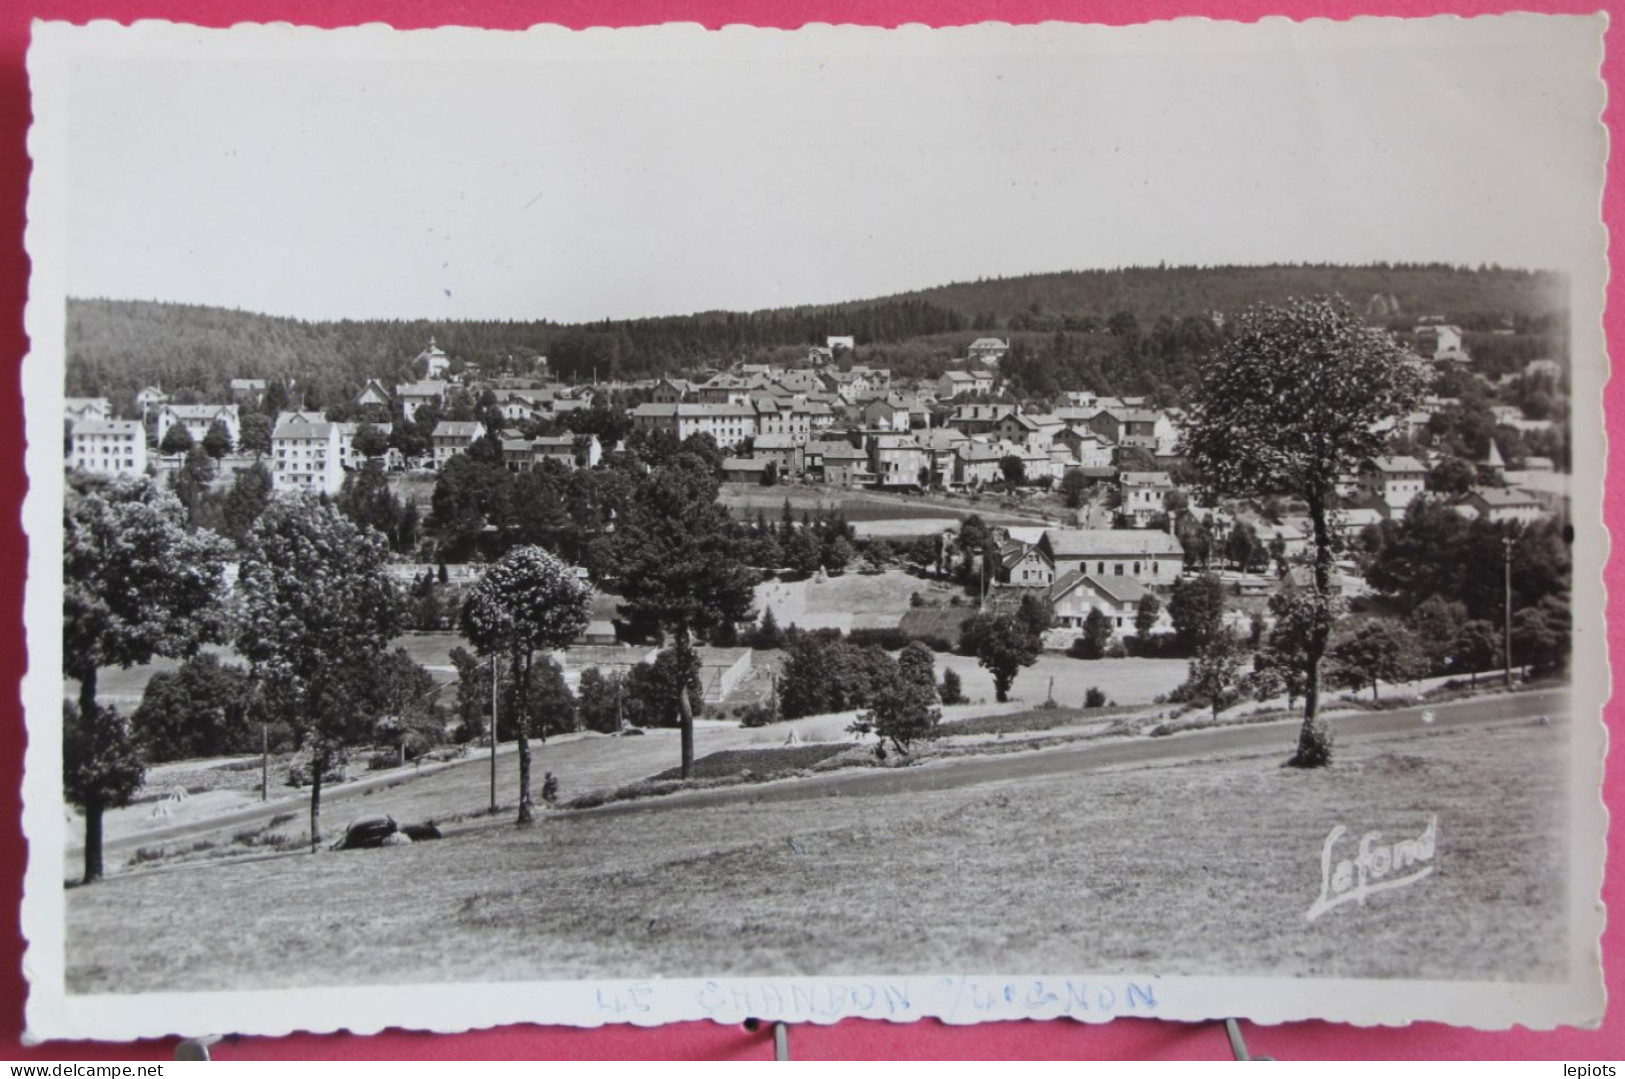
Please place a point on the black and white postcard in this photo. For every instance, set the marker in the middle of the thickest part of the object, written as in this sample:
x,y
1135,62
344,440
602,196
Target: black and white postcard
x,y
658,524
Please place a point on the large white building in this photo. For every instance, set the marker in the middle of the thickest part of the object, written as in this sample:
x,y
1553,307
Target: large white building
x,y
197,419
306,454
114,447
729,425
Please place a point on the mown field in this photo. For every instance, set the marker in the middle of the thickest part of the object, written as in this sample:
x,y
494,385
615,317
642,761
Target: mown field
x,y
1204,867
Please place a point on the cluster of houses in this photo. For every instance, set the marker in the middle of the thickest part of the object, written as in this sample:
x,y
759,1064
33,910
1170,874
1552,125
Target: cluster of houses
x,y
850,426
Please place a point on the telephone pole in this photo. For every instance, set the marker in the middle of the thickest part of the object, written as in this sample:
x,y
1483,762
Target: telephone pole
x,y
493,734
1506,544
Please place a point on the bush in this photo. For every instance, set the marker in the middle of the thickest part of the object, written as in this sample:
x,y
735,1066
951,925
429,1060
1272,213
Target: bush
x,y
1314,748
1115,650
758,714
377,762
951,691
891,639
1093,697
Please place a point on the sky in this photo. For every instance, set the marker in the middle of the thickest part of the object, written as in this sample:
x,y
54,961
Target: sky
x,y
571,176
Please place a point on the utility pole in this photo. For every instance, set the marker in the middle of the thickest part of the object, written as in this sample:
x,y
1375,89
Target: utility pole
x,y
493,734
265,762
1506,543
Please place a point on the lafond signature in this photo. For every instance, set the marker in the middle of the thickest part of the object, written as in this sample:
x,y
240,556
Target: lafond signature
x,y
1372,867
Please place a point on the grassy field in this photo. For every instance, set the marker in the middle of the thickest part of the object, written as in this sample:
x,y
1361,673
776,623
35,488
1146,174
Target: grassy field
x,y
1201,868
1125,681
850,601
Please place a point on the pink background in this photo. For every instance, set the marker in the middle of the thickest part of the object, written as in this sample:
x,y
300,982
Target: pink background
x,y
856,1038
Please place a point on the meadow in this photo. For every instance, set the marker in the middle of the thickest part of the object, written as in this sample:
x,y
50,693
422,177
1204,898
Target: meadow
x,y
1199,867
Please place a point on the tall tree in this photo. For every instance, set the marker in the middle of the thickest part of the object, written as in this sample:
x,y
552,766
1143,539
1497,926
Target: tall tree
x,y
1002,644
176,440
217,440
1295,399
677,565
249,494
254,434
527,601
318,612
1378,651
136,584
198,710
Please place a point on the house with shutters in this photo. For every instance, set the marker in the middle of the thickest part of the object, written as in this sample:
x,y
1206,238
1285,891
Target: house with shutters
x,y
787,452
1024,565
888,413
1144,496
414,395
110,447
836,462
669,391
1126,426
1393,481
1076,594
728,424
452,437
976,463
1153,558
977,420
1089,449
958,383
896,460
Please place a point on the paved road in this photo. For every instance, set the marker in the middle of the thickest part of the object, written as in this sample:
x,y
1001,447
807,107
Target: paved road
x,y
967,771
1095,756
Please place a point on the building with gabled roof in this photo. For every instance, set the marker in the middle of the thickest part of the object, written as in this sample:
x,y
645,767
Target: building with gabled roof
x,y
110,447
197,419
1153,558
1075,594
414,395
452,437
305,454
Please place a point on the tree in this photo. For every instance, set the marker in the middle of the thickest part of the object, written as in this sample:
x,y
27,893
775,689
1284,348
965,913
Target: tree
x,y
1146,614
176,440
1215,670
370,441
1097,634
837,554
1073,487
598,701
1037,613
1241,547
1294,399
801,552
1435,622
653,691
198,710
217,440
317,615
1003,645
101,769
677,565
1452,476
768,634
366,499
917,665
1197,610
254,434
1014,470
1378,651
770,474
528,600
951,692
249,494
1476,647
903,713
191,482
136,584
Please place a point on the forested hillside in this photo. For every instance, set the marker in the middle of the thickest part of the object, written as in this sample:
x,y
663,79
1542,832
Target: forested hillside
x,y
1473,298
1132,330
